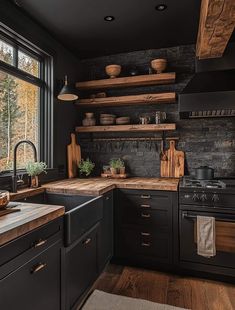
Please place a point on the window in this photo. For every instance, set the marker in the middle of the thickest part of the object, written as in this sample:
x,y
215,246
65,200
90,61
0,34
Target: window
x,y
25,103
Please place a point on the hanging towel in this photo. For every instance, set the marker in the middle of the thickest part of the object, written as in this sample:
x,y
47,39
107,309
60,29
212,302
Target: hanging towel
x,y
206,236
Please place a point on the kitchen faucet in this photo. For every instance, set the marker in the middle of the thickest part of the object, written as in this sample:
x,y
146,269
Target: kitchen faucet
x,y
14,178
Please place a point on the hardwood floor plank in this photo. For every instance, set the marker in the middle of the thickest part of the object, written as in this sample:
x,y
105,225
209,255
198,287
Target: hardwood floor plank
x,y
186,292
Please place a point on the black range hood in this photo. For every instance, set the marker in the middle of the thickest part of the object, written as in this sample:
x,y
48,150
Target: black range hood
x,y
209,94
211,91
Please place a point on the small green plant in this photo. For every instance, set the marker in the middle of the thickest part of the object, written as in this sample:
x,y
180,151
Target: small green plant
x,y
86,167
36,168
117,163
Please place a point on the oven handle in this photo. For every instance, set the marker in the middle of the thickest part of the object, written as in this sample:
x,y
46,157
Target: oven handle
x,y
187,215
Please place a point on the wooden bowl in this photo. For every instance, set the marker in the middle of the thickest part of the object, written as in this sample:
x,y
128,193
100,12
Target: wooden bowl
x,y
4,199
159,65
113,70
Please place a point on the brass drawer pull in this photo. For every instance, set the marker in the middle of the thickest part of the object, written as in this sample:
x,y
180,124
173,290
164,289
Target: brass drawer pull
x,y
39,243
145,244
145,215
145,234
145,196
39,267
87,241
145,206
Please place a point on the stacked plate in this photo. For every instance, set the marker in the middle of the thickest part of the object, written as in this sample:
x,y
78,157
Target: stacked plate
x,y
107,119
125,120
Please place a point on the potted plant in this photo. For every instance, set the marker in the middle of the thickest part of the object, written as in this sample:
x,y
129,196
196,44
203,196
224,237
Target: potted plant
x,y
117,166
86,167
34,169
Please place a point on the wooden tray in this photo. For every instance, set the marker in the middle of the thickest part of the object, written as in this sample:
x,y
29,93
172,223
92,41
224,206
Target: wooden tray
x,y
6,211
114,176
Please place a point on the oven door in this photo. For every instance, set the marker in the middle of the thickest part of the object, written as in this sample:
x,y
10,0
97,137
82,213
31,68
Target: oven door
x,y
225,239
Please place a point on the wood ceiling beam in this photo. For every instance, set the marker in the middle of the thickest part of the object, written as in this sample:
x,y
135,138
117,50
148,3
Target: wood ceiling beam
x,y
217,22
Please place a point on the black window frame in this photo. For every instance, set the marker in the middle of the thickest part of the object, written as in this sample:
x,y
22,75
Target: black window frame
x,y
45,82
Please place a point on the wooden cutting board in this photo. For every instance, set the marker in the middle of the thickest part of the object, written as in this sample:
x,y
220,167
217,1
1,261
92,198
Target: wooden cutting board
x,y
74,157
173,166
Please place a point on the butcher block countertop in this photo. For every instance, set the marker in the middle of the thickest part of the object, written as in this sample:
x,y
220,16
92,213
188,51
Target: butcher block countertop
x,y
99,186
29,217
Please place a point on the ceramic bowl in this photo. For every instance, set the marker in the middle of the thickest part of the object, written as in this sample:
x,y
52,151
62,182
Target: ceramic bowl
x,y
113,71
159,65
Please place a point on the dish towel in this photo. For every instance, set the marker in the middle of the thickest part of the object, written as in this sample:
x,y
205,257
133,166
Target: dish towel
x,y
206,236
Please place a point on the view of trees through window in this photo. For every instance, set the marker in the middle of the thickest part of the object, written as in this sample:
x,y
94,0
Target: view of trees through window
x,y
19,110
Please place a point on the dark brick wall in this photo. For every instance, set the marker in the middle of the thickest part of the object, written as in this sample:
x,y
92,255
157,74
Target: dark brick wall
x,y
205,141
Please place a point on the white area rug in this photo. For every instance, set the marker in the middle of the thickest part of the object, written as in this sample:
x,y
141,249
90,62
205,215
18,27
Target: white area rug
x,y
104,301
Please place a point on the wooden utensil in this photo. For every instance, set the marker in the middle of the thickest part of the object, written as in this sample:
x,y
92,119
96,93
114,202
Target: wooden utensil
x,y
174,165
74,157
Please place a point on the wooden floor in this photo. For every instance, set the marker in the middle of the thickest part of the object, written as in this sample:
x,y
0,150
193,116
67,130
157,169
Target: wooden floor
x,y
185,292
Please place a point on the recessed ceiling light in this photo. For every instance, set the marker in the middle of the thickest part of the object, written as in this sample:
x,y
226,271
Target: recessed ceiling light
x,y
161,7
109,18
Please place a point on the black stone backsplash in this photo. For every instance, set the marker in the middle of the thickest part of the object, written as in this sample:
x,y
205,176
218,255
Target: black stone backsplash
x,y
205,141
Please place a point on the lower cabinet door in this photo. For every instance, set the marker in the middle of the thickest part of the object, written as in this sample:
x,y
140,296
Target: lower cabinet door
x,y
81,266
35,285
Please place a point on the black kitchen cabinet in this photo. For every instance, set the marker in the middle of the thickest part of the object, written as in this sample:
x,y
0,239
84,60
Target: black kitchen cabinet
x,y
106,231
81,266
32,279
144,226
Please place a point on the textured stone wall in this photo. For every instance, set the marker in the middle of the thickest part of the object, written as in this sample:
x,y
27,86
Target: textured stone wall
x,y
205,141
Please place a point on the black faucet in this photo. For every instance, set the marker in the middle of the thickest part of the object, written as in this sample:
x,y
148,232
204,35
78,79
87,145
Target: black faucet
x,y
14,178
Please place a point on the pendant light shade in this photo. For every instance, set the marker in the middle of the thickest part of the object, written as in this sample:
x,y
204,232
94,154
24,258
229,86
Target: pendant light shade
x,y
67,93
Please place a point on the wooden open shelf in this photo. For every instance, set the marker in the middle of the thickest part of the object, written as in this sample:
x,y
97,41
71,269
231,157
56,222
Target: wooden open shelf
x,y
127,128
129,100
139,80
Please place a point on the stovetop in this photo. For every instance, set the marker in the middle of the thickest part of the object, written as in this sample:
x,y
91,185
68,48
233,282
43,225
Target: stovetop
x,y
216,192
196,184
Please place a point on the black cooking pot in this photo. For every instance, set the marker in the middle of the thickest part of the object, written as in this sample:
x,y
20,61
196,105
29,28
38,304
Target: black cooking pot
x,y
204,173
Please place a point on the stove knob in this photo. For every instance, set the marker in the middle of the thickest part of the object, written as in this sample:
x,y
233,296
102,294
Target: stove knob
x,y
195,197
203,197
215,198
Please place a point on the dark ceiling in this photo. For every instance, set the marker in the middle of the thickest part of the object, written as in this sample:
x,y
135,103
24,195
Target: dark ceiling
x,y
80,24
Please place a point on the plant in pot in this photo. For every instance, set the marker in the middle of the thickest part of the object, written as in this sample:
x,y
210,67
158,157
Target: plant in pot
x,y
86,167
34,169
117,166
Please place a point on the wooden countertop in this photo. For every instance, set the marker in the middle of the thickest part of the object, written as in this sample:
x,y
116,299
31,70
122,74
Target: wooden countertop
x,y
99,186
30,216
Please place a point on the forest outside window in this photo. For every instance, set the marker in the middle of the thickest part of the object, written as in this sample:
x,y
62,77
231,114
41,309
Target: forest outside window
x,y
23,104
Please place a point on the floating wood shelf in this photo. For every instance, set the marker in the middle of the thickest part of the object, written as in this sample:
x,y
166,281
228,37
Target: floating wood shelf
x,y
139,80
127,128
129,100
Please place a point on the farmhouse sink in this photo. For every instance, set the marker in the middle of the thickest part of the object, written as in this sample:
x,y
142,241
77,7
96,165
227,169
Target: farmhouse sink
x,y
81,212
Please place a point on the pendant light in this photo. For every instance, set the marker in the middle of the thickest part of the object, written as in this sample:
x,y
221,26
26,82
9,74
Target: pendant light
x,y
67,93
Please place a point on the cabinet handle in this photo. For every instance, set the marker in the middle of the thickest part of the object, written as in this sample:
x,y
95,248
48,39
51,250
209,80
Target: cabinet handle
x,y
145,196
145,215
147,244
39,267
87,241
107,198
145,206
39,243
145,234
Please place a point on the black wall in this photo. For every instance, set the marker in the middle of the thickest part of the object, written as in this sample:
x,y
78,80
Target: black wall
x,y
205,141
65,114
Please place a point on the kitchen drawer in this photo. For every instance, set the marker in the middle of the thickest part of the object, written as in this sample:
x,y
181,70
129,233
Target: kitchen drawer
x,y
145,199
136,243
35,285
34,241
160,220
